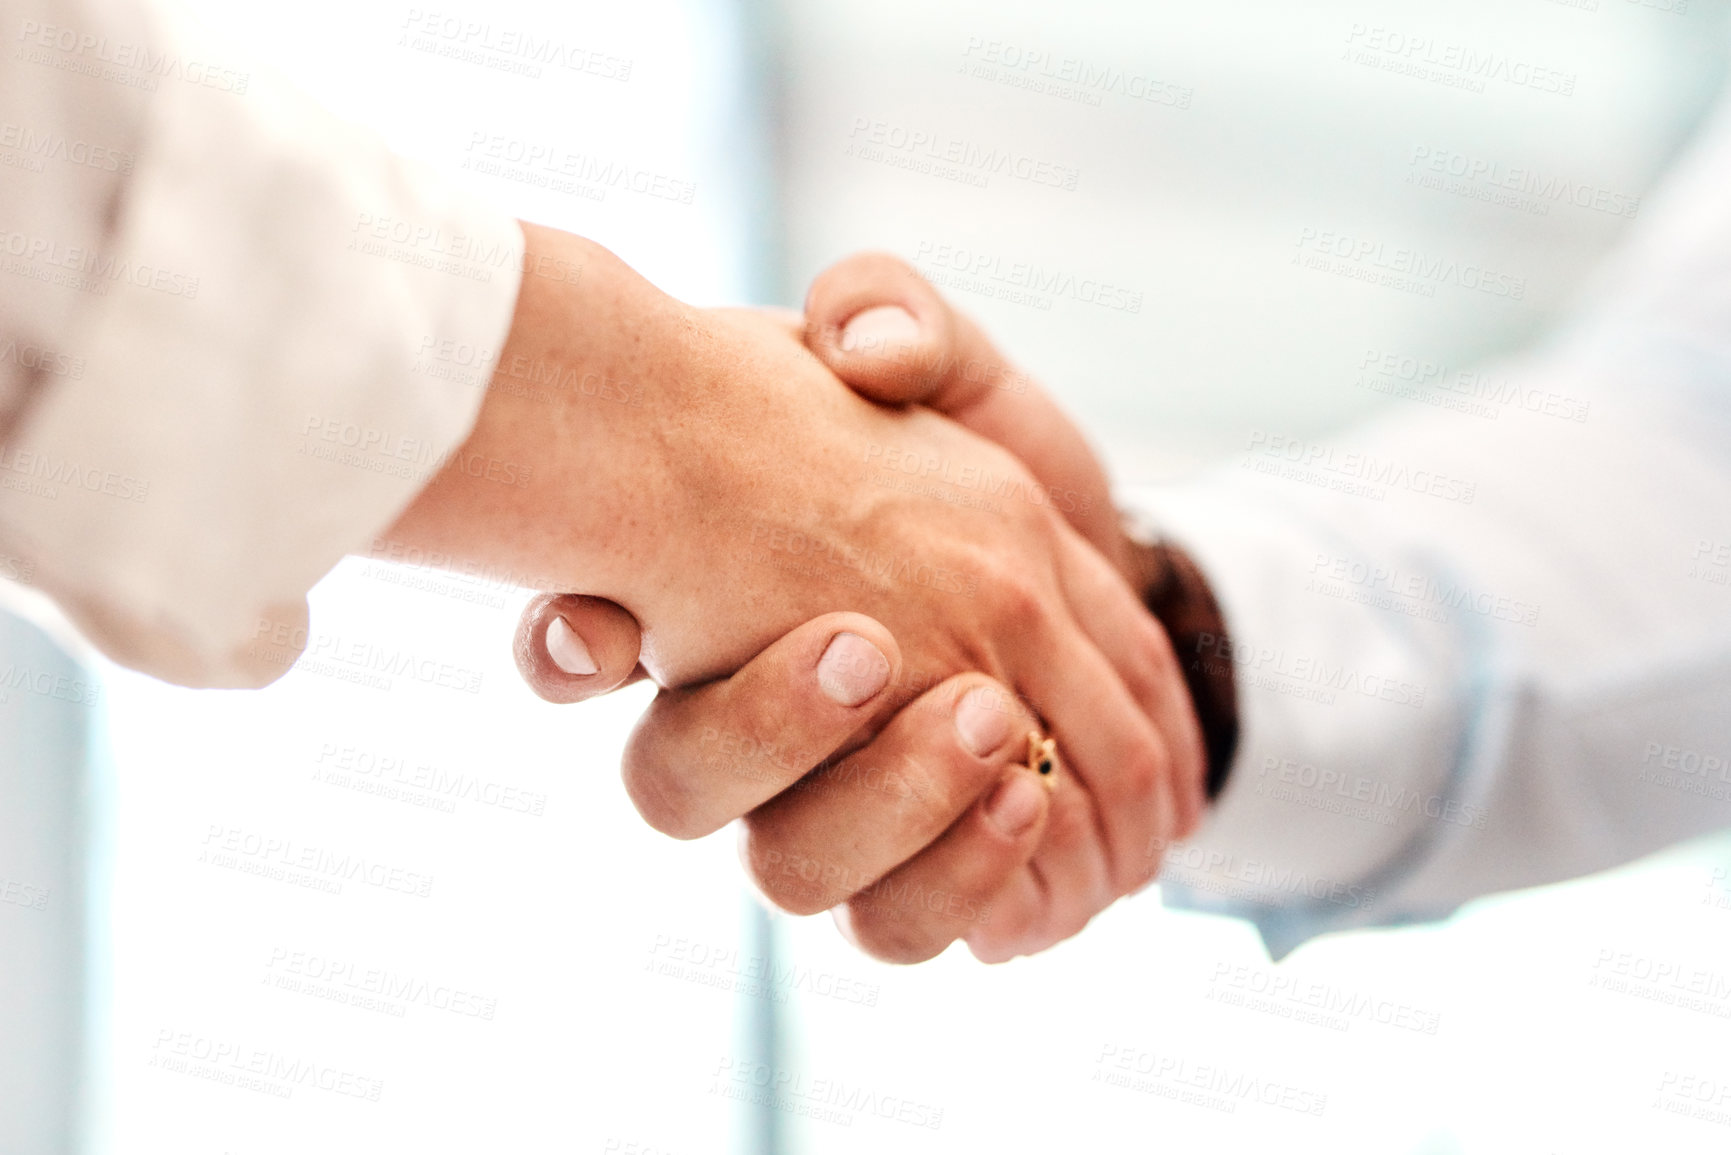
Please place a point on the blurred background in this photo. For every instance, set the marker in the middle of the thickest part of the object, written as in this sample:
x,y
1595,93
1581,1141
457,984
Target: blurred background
x,y
538,972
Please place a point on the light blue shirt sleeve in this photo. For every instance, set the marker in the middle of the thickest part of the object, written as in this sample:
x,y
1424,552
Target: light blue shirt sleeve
x,y
1483,644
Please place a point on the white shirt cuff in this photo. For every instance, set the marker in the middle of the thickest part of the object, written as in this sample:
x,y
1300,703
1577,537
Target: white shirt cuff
x,y
1345,734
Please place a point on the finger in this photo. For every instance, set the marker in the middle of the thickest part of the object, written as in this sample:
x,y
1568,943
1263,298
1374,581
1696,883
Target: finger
x,y
1062,886
881,328
1139,651
845,827
570,648
939,895
1119,759
1002,907
888,334
1018,921
703,756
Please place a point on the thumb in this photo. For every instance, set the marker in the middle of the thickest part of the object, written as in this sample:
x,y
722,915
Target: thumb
x,y
882,328
570,648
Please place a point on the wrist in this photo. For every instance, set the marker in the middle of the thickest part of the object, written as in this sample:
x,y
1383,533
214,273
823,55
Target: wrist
x,y
1175,591
561,451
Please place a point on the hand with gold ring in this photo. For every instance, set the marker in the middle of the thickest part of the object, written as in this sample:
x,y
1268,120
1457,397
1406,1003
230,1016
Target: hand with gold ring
x,y
933,827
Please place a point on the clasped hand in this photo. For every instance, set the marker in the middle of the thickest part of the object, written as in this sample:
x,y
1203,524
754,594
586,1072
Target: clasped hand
x,y
852,653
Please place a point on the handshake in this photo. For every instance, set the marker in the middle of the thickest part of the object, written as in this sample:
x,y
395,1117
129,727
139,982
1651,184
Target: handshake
x,y
899,630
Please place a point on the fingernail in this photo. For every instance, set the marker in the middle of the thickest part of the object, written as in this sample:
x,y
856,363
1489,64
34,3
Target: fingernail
x,y
567,649
982,722
874,329
852,670
1015,805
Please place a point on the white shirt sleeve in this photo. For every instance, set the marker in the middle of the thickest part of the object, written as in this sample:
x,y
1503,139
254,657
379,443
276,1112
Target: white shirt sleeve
x,y
1485,643
219,313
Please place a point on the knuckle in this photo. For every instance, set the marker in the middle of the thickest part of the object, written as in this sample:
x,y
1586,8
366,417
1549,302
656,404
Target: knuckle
x,y
892,939
754,742
1016,600
796,882
942,776
1073,923
1144,770
948,779
1137,872
666,811
998,940
1145,794
1069,824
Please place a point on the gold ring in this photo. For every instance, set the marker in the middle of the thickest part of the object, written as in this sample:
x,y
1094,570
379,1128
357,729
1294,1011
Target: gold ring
x,y
1043,758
